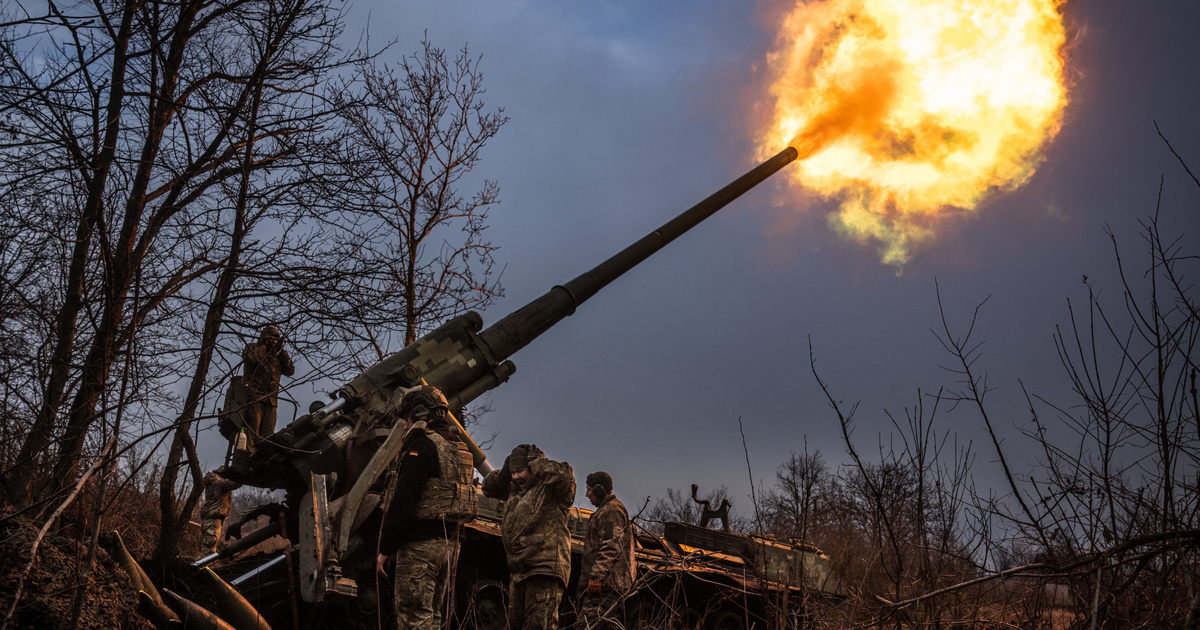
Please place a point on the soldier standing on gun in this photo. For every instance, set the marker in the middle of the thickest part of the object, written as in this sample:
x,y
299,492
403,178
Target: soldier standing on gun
x,y
421,525
538,493
263,362
608,569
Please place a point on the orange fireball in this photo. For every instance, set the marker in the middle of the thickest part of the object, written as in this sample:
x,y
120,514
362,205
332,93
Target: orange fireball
x,y
905,110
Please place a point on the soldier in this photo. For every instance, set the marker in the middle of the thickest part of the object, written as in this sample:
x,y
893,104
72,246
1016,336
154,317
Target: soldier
x,y
430,498
218,500
608,568
539,493
264,362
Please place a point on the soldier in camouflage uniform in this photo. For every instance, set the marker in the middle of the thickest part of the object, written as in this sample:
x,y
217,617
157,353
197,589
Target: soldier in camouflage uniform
x,y
538,494
420,532
218,500
264,362
608,567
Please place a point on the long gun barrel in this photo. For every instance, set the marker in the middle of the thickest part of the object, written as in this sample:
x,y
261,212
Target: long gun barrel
x,y
464,362
516,330
479,362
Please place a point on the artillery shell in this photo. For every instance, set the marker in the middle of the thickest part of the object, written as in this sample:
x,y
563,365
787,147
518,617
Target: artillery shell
x,y
193,615
234,608
157,612
141,581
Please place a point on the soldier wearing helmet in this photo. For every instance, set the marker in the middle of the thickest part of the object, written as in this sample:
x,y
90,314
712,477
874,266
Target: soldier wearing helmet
x,y
538,494
264,361
608,567
253,417
431,496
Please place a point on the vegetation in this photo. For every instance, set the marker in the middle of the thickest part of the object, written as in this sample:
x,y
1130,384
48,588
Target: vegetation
x,y
175,177
1103,533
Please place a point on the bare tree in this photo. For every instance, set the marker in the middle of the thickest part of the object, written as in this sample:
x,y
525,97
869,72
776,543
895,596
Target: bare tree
x,y
803,487
1131,472
120,111
418,133
188,163
287,48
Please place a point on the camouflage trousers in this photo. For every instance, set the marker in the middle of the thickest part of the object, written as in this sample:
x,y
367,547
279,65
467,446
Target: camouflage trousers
x,y
218,500
594,612
533,603
423,571
260,417
210,535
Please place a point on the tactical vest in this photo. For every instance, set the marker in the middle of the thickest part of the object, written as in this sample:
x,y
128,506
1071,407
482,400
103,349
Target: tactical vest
x,y
451,495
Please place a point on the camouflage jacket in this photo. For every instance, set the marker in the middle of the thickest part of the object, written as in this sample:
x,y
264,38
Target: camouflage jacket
x,y
263,369
534,521
218,495
608,548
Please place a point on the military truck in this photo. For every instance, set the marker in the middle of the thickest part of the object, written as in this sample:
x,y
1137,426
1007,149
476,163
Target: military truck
x,y
330,464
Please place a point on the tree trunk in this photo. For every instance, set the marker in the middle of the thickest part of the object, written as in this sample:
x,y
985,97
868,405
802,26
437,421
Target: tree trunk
x,y
125,256
20,480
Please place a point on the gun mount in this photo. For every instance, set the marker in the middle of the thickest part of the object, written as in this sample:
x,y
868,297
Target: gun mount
x,y
328,495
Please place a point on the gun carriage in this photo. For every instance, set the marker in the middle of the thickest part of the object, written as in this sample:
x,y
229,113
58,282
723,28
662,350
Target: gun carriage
x,y
332,483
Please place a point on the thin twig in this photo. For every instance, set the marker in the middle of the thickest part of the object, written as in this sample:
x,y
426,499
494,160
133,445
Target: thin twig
x,y
1054,569
1172,149
750,471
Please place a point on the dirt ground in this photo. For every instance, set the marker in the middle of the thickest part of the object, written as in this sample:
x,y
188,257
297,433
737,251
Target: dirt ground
x,y
109,600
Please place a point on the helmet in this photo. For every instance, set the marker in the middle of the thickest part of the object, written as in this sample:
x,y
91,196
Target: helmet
x,y
425,402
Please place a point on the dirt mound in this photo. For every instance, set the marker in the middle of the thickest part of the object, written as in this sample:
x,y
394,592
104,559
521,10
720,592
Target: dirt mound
x,y
109,600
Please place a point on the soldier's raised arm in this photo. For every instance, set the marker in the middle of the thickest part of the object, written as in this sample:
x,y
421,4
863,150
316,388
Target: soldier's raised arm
x,y
557,477
254,353
498,483
286,367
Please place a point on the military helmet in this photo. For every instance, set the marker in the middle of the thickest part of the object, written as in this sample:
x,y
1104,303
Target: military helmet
x,y
425,402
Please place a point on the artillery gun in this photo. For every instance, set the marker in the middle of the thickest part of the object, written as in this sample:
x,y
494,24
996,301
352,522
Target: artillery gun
x,y
330,474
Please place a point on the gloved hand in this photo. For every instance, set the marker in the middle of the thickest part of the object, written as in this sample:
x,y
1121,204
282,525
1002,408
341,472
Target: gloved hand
x,y
505,476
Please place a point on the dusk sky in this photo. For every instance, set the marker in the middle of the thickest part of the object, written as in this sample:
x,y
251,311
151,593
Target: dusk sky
x,y
624,114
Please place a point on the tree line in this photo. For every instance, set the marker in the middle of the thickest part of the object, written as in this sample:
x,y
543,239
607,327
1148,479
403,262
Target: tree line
x,y
174,176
